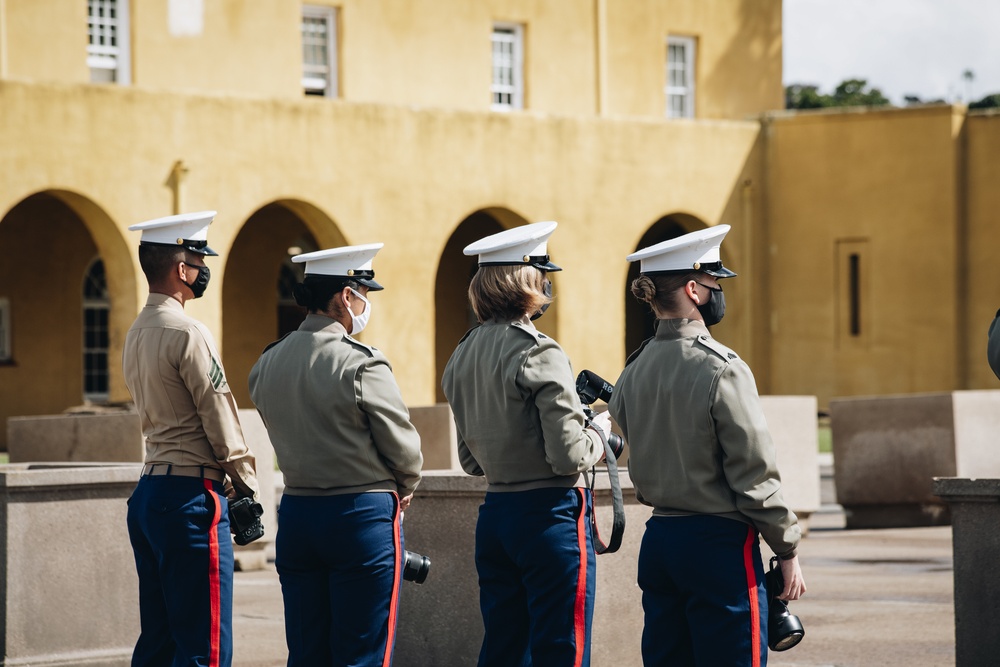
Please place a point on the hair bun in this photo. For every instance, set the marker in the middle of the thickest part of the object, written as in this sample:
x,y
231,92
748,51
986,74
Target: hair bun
x,y
644,289
303,295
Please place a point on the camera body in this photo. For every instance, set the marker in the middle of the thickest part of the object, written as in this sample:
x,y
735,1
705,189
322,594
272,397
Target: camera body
x,y
415,567
244,520
589,387
783,629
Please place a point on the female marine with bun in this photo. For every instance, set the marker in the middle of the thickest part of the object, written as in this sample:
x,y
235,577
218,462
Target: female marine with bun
x,y
701,455
351,461
521,424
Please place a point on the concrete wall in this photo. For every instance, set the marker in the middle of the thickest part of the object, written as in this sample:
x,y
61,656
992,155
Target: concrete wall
x,y
67,575
888,449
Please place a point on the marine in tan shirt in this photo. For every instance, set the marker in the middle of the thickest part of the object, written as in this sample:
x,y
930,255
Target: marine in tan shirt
x,y
188,413
178,518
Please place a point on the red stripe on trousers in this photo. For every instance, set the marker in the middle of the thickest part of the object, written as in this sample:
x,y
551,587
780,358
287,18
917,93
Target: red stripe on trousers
x,y
580,605
214,585
391,635
752,592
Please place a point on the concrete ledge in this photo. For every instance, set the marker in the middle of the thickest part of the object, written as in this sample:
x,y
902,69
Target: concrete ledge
x,y
792,423
975,512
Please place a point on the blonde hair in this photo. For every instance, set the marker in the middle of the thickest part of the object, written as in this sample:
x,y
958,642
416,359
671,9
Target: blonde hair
x,y
660,292
506,293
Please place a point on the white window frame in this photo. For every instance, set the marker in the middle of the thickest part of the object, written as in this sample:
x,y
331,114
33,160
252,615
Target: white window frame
x,y
320,79
513,90
683,93
6,354
110,63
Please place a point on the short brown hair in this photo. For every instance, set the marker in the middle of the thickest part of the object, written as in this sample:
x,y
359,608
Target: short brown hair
x,y
660,292
157,261
506,293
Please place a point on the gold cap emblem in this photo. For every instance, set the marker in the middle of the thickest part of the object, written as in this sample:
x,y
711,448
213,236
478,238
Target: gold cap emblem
x,y
697,265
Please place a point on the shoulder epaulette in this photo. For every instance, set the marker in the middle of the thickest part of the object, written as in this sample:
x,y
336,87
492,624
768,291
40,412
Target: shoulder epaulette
x,y
270,345
717,347
534,333
357,343
635,355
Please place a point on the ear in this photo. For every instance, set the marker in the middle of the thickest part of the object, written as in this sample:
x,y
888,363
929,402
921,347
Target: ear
x,y
181,271
691,289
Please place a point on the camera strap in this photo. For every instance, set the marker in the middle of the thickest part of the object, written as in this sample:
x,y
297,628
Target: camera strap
x,y
617,503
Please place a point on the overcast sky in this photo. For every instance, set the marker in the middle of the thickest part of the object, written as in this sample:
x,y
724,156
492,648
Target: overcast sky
x,y
902,47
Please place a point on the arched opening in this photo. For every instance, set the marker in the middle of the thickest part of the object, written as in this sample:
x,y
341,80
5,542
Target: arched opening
x,y
639,317
257,302
69,291
453,315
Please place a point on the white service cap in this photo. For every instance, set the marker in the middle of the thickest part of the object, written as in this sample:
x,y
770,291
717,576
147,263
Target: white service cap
x,y
189,230
525,245
352,262
697,251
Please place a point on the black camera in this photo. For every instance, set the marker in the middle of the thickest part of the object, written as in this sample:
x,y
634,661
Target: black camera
x,y
415,567
244,520
589,387
783,629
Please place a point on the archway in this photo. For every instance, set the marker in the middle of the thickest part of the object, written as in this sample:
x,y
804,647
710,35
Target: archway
x,y
257,306
639,317
66,261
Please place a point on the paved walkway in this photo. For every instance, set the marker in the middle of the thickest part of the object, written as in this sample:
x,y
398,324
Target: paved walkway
x,y
876,597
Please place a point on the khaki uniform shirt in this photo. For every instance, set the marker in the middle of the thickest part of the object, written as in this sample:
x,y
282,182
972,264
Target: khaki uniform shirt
x,y
698,442
334,414
188,414
519,418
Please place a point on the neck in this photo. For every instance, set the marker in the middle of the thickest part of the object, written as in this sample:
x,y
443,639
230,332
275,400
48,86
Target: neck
x,y
177,293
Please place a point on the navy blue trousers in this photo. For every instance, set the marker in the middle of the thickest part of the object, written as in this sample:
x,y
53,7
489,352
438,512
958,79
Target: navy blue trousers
x,y
537,574
339,560
179,529
703,595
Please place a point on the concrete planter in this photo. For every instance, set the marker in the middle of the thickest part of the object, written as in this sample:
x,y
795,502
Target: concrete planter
x,y
792,422
888,449
117,437
67,575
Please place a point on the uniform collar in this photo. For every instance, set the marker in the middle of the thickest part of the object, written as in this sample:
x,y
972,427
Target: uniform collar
x,y
314,323
680,328
157,300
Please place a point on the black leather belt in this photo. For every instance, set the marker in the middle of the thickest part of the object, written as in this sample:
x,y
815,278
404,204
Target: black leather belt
x,y
203,472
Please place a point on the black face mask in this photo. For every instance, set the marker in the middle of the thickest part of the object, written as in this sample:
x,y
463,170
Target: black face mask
x,y
713,311
201,282
547,291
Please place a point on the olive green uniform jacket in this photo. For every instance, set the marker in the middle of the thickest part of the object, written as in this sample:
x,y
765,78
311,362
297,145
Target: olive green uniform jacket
x,y
188,414
698,442
520,422
334,414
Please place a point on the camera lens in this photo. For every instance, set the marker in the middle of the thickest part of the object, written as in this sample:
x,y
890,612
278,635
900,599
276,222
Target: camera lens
x,y
415,567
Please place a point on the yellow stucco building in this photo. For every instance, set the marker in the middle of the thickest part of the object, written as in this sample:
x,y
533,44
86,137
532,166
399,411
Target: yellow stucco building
x,y
425,124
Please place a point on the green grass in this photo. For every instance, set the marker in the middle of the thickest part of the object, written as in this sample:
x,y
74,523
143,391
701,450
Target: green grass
x,y
825,437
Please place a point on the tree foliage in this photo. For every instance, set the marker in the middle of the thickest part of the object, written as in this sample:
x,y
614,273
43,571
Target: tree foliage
x,y
850,93
988,102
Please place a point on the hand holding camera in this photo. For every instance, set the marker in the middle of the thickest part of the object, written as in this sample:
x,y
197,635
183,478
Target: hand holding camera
x,y
783,629
244,520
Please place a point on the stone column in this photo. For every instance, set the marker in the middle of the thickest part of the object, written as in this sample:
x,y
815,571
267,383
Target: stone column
x,y
975,518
